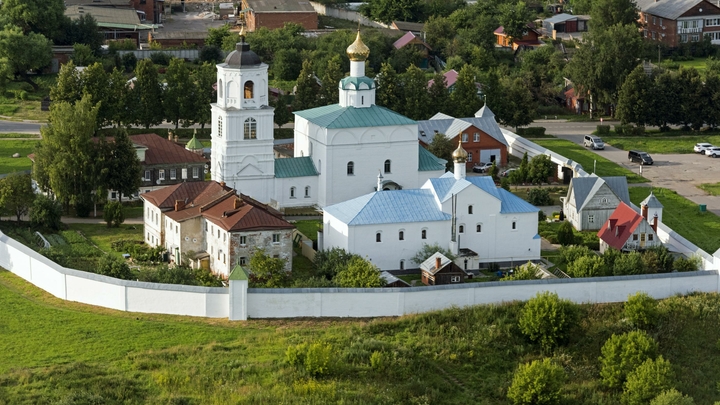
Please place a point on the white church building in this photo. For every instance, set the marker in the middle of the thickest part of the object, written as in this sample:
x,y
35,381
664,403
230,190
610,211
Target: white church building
x,y
470,216
339,149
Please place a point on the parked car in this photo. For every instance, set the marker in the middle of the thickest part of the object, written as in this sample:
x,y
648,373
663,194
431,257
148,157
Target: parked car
x,y
700,147
593,142
481,167
641,157
507,172
713,151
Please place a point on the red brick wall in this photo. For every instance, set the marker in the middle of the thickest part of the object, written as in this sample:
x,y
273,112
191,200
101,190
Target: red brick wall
x,y
486,142
147,7
308,20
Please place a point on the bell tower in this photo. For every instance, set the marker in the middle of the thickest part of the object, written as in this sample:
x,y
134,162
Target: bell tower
x,y
242,125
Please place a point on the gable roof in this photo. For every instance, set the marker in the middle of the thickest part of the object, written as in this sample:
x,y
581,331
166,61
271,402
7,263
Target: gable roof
x,y
619,226
295,167
194,193
334,116
163,151
450,79
670,9
447,185
245,214
430,265
108,17
651,201
428,162
562,17
408,38
408,26
450,126
387,207
584,188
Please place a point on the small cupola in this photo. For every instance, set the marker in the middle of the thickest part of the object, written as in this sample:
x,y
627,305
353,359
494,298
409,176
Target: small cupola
x,y
242,56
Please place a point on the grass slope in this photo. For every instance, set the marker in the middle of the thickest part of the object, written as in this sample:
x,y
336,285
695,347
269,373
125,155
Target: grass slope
x,y
9,164
661,144
585,157
684,217
72,353
711,188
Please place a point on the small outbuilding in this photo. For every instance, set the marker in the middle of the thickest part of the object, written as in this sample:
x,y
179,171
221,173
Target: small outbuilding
x,y
438,270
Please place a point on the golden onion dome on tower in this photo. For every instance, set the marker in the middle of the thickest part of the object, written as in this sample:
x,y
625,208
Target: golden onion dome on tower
x,y
358,51
460,155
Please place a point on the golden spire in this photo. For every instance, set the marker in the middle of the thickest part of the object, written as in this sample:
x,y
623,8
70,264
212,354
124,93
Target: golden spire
x,y
460,155
242,33
358,51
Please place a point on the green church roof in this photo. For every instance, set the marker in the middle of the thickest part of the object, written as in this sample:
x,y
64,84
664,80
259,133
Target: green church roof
x,y
356,81
428,162
194,144
295,167
334,116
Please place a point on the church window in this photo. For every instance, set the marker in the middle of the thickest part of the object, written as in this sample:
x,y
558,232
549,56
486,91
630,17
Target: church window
x,y
378,237
350,168
476,137
220,88
250,128
292,192
401,235
470,209
423,234
461,229
402,264
387,166
464,137
219,127
514,225
249,86
307,191
478,228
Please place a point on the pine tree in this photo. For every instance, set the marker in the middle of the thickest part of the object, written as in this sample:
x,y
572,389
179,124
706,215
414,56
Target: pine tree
x,y
307,89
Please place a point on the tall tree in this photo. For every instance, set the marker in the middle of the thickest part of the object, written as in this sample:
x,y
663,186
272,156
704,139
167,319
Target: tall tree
x,y
514,18
44,17
516,107
664,100
63,158
95,82
282,115
690,104
634,100
16,194
711,93
388,11
117,92
204,79
388,88
85,31
465,97
439,96
439,32
287,64
123,166
333,74
68,86
177,100
307,89
607,13
416,98
147,95
22,53
442,147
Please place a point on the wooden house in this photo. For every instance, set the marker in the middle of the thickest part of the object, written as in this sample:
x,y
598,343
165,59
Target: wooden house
x,y
591,200
438,270
530,39
628,230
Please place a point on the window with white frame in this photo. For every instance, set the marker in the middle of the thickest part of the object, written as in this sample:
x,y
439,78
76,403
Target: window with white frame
x,y
147,175
173,174
243,240
712,22
243,260
276,238
250,129
184,173
161,174
196,172
469,157
694,38
476,137
454,279
464,137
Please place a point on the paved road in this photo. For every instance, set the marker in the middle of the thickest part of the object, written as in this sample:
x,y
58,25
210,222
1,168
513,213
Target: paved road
x,y
19,127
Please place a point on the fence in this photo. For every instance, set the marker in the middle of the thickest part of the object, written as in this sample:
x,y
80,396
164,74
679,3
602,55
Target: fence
x,y
188,54
346,14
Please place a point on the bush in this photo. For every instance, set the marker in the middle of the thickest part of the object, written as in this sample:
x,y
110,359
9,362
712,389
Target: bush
x,y
629,263
686,264
530,132
603,130
379,361
647,381
621,354
46,213
211,54
114,267
547,319
537,383
587,266
113,214
658,260
641,310
359,273
539,196
160,58
330,261
672,397
527,271
565,234
541,214
573,252
318,359
621,130
129,61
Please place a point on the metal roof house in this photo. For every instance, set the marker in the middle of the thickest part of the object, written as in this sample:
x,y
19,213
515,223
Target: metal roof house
x,y
673,22
591,200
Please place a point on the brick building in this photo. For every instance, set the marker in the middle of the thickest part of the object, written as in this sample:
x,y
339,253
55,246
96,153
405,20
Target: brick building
x,y
275,13
673,22
169,39
150,10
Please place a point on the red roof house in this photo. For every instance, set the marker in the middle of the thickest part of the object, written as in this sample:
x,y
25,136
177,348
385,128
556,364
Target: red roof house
x,y
627,230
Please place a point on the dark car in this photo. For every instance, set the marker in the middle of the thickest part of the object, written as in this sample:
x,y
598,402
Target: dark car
x,y
641,157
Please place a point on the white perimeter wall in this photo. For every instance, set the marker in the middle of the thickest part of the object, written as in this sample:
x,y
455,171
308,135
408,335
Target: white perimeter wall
x,y
108,292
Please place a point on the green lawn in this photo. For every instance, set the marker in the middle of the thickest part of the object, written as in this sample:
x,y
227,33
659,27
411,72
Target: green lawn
x,y
9,164
656,143
12,135
711,188
698,63
54,351
22,103
555,193
684,217
309,228
585,157
102,236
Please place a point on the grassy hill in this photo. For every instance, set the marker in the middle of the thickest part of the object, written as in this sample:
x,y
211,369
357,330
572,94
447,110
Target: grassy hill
x,y
62,352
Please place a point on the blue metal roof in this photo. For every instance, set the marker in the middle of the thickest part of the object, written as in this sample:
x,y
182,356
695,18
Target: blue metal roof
x,y
390,206
485,123
447,185
335,116
428,162
295,167
512,204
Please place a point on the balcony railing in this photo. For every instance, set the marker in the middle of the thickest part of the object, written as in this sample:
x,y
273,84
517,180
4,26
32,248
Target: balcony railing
x,y
689,30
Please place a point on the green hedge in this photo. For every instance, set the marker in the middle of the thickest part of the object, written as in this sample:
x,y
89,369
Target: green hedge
x,y
531,131
628,130
603,130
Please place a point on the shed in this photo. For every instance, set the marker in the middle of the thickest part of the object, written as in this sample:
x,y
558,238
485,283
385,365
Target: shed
x,y
438,270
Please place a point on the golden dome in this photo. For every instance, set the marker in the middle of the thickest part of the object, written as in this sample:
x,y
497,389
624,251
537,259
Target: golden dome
x,y
358,51
460,155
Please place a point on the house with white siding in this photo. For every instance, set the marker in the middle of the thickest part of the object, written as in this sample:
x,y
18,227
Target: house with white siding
x,y
590,200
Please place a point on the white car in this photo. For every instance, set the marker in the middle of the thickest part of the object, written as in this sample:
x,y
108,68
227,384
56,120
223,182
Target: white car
x,y
700,147
713,151
507,172
481,167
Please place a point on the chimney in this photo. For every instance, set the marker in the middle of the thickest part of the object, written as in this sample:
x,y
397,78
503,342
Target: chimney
x,y
222,184
379,181
655,222
237,203
176,138
179,205
644,210
438,263
170,136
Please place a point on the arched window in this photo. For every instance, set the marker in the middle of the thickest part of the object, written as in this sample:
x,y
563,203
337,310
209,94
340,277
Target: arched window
x,y
478,228
292,192
387,166
350,168
220,88
470,209
423,234
401,235
250,130
402,264
378,237
249,86
461,229
307,191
